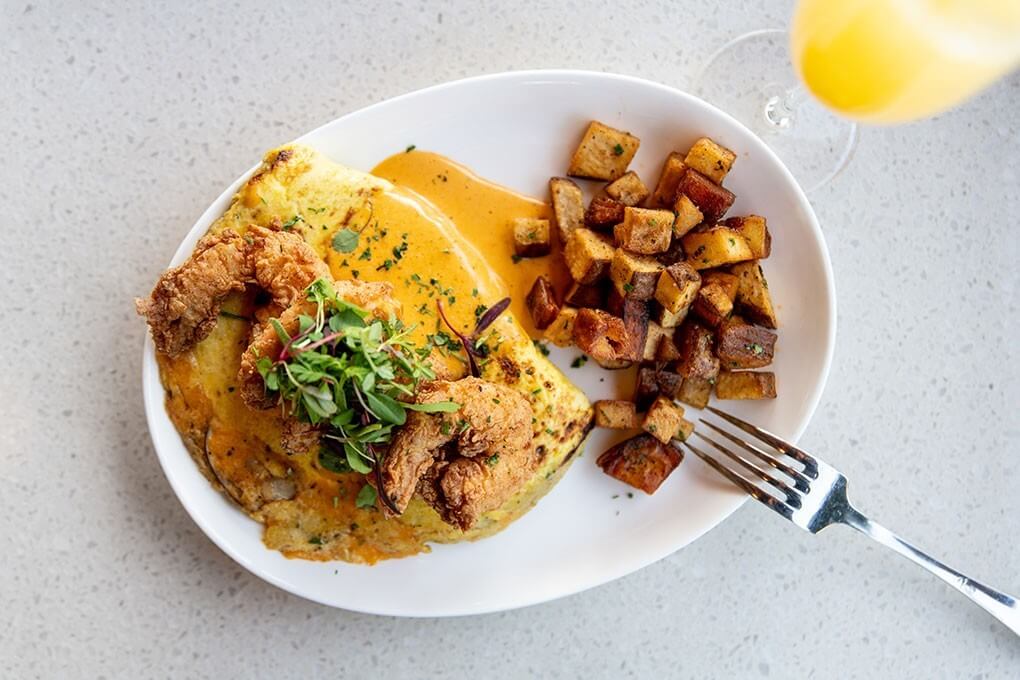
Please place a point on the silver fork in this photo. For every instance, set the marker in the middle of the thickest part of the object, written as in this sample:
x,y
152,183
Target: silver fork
x,y
814,497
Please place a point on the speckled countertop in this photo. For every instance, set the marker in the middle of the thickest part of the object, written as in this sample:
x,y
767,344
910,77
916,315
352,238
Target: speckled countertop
x,y
120,125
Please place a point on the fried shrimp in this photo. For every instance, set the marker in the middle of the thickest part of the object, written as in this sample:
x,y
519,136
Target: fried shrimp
x,y
183,307
376,297
463,463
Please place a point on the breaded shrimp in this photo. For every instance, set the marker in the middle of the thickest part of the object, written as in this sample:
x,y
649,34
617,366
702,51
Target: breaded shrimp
x,y
183,307
376,297
463,463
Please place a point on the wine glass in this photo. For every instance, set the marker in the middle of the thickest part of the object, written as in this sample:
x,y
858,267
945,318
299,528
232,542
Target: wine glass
x,y
874,61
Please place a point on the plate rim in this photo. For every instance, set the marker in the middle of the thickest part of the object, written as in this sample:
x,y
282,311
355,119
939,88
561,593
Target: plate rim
x,y
150,370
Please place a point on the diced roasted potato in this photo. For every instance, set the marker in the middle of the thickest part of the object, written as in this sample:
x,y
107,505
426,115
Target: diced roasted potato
x,y
668,319
675,253
568,206
588,255
753,298
667,349
646,388
715,247
687,216
696,357
663,419
746,385
604,152
541,303
586,295
645,231
642,462
531,237
665,191
614,301
685,431
601,335
728,282
712,304
742,345
712,200
636,320
628,189
755,231
561,331
695,392
634,276
669,383
676,287
654,335
616,414
603,213
710,159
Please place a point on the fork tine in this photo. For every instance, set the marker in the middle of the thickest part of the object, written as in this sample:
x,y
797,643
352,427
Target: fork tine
x,y
810,464
792,498
746,486
800,482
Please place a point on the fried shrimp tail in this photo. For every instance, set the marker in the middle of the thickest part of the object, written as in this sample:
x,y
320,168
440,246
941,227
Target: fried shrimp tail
x,y
463,463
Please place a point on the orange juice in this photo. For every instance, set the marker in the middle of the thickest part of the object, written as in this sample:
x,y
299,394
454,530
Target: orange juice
x,y
888,61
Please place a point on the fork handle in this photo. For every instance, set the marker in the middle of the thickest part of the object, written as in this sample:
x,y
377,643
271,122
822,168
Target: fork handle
x,y
1000,605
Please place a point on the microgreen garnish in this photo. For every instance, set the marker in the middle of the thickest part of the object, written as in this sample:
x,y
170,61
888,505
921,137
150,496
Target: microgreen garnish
x,y
473,345
351,374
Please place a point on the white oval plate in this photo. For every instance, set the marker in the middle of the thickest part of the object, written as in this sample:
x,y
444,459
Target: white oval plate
x,y
518,129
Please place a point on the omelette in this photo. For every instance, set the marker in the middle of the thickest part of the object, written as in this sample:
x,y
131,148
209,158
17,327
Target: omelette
x,y
365,229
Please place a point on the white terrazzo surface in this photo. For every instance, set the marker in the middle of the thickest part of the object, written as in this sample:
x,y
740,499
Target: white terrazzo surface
x,y
120,124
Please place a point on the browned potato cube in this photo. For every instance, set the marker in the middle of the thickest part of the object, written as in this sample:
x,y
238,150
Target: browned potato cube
x,y
603,213
568,206
715,247
713,304
746,385
642,462
676,287
588,255
755,231
728,282
636,320
531,237
685,431
628,189
710,159
753,297
653,337
604,152
645,231
541,303
669,383
696,357
695,392
741,345
586,295
667,349
668,319
712,200
663,419
561,331
616,414
665,191
646,387
634,276
687,216
614,301
600,335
